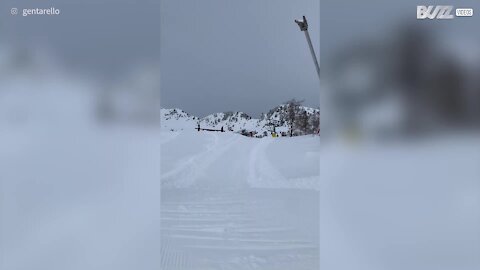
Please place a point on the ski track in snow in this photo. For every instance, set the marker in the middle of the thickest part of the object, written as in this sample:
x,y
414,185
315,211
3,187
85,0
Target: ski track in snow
x,y
234,230
262,174
165,139
186,172
228,207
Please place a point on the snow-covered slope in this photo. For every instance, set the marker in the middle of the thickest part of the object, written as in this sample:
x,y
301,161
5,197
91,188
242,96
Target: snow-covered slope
x,y
232,202
233,121
191,156
177,119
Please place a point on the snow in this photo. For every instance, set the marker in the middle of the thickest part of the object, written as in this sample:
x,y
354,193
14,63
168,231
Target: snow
x,y
192,157
78,197
74,193
80,193
410,203
234,202
178,120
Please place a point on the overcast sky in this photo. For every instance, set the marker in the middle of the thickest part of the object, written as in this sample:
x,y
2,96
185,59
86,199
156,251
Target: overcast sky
x,y
215,55
248,55
364,20
104,39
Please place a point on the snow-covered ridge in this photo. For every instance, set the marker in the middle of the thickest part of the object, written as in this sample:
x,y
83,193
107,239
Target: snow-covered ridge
x,y
177,119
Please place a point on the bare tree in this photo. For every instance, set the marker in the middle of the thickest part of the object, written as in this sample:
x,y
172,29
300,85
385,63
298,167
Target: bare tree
x,y
301,122
314,122
292,108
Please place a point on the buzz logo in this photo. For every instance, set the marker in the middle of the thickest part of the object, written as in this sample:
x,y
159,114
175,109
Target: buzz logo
x,y
434,12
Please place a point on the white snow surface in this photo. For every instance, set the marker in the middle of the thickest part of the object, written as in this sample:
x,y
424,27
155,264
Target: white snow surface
x,y
406,204
236,161
234,202
75,193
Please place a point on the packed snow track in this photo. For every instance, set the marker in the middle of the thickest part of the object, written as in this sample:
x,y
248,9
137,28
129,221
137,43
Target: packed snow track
x,y
232,202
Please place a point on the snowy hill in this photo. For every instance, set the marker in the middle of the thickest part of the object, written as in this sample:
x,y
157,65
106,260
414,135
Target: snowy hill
x,y
233,121
177,119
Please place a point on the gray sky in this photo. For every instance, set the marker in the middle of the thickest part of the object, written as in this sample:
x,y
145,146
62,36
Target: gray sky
x,y
101,38
214,55
369,20
248,55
